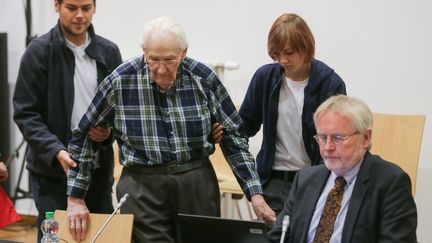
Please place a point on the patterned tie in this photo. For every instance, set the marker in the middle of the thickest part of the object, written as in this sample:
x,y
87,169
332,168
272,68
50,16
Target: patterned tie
x,y
331,209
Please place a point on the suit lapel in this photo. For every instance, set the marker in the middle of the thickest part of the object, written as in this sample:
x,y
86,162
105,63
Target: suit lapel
x,y
312,194
360,188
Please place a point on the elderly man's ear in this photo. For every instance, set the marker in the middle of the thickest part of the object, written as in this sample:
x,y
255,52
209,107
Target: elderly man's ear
x,y
183,55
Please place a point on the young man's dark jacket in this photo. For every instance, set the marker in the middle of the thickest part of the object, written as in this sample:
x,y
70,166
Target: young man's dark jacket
x,y
44,97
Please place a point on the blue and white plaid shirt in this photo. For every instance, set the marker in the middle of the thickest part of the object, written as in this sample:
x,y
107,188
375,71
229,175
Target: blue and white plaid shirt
x,y
153,127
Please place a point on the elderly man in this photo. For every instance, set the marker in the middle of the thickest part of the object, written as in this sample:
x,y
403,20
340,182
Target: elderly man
x,y
354,196
161,106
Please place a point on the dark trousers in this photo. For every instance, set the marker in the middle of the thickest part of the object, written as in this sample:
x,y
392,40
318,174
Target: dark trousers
x,y
276,190
49,194
156,199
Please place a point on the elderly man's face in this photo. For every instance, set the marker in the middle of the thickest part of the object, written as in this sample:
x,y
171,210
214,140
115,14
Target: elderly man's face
x,y
341,157
164,55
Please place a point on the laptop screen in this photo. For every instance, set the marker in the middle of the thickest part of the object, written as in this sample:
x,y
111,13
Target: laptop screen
x,y
197,229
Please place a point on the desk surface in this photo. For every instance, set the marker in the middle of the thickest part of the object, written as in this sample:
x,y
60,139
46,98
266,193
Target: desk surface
x,y
118,230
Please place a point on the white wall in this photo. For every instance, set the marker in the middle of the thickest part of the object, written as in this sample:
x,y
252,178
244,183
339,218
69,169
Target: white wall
x,y
380,48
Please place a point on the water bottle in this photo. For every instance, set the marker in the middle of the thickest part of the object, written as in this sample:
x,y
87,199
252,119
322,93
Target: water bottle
x,y
49,228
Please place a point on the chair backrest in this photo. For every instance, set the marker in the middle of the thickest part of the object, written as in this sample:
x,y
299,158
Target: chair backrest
x,y
118,230
225,176
226,179
117,166
397,138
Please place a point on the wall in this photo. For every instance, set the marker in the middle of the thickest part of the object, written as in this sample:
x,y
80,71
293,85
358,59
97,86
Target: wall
x,y
381,49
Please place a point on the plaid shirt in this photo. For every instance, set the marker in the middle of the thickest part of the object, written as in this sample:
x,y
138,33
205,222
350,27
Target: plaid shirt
x,y
153,127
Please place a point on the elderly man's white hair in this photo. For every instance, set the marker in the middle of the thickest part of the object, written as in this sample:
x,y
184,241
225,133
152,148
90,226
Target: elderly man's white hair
x,y
163,25
351,107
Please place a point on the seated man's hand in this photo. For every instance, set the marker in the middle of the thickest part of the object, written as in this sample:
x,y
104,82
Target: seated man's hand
x,y
3,172
262,210
77,217
99,133
217,132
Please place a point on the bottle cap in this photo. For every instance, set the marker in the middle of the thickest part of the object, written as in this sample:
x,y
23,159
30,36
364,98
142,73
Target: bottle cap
x,y
49,215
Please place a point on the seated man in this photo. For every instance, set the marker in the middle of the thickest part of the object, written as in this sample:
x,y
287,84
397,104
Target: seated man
x,y
354,196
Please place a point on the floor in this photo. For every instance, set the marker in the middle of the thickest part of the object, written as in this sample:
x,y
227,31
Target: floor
x,y
23,231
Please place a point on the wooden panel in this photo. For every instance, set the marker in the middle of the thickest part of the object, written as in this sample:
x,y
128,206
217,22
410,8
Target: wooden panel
x,y
397,138
226,178
117,166
118,230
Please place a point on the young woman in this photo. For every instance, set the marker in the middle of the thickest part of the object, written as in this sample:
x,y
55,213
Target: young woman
x,y
282,97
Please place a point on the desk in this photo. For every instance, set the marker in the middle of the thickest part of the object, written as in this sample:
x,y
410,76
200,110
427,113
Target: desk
x,y
118,230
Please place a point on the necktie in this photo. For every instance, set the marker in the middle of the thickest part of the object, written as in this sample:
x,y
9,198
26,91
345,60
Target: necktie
x,y
330,211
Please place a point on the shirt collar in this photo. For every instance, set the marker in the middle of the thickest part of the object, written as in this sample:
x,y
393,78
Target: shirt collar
x,y
82,47
350,175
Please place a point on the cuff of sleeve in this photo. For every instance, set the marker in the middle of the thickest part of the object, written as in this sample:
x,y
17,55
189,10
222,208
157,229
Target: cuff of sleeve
x,y
253,187
76,192
76,187
109,141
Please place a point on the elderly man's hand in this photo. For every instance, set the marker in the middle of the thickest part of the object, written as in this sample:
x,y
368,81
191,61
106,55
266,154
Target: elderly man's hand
x,y
77,217
262,210
99,133
3,172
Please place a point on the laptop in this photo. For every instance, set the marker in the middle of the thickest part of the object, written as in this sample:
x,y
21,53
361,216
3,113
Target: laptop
x,y
199,229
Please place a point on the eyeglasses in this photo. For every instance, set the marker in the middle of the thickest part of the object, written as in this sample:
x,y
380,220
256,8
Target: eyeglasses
x,y
156,63
335,139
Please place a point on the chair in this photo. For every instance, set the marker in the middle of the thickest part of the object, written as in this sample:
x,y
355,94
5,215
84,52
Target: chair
x,y
225,176
230,189
228,186
117,166
397,138
118,230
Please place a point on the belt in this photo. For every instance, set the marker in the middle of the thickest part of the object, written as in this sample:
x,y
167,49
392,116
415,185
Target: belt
x,y
168,169
283,175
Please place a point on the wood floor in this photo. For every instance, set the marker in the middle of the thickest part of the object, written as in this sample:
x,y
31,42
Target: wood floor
x,y
23,231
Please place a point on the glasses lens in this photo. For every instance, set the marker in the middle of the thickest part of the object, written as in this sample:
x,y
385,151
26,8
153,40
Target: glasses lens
x,y
157,63
335,139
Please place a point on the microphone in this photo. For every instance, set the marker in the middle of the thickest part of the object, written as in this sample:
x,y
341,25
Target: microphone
x,y
285,223
122,201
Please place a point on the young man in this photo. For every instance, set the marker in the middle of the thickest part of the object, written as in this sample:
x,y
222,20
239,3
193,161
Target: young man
x,y
58,77
354,196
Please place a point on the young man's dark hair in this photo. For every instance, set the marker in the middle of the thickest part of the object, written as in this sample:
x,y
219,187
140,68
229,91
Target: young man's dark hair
x,y
61,1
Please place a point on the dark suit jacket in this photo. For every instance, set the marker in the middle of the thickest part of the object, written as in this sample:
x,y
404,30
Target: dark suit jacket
x,y
381,208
